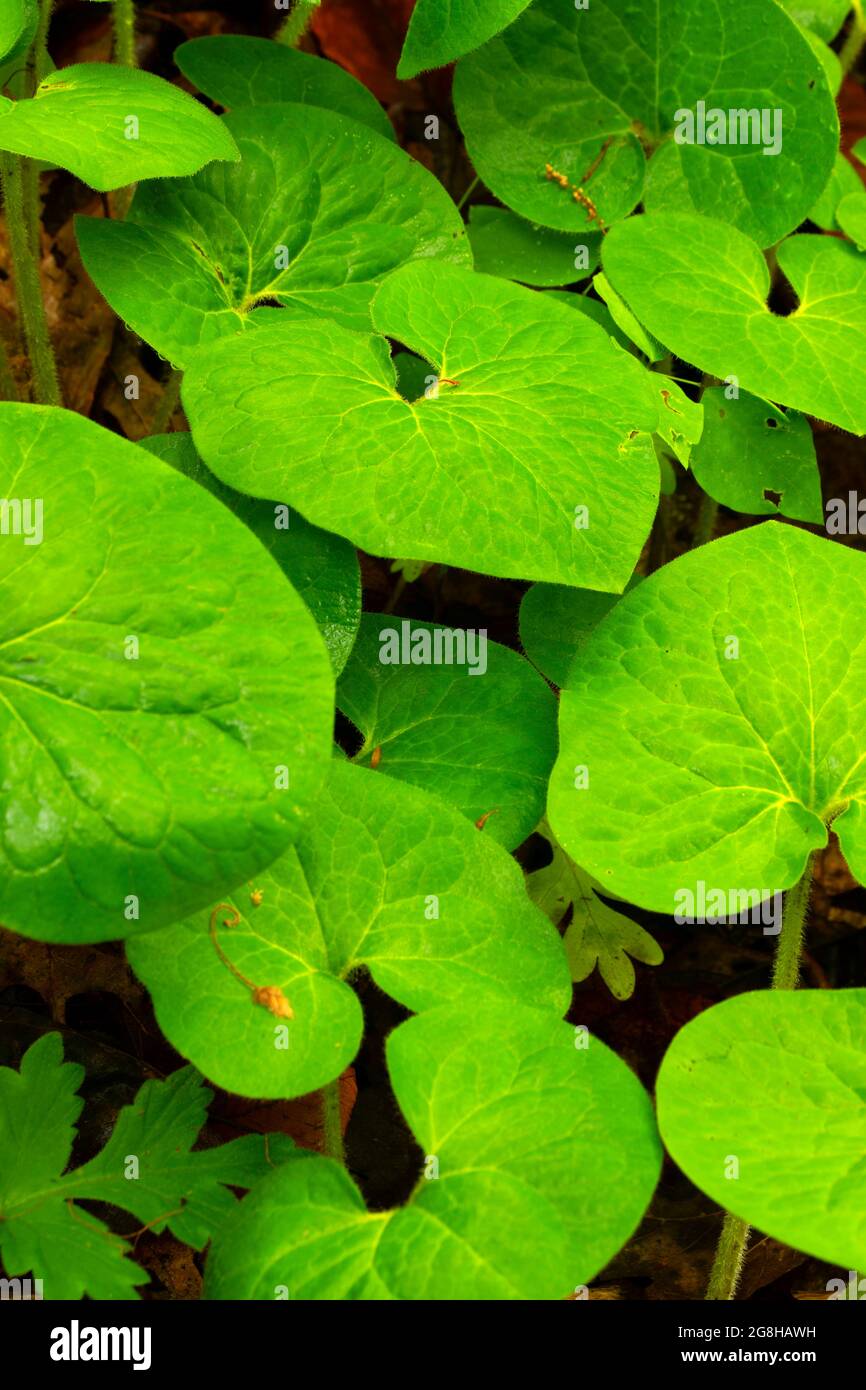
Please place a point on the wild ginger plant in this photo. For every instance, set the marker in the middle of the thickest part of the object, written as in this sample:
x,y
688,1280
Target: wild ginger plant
x,y
243,732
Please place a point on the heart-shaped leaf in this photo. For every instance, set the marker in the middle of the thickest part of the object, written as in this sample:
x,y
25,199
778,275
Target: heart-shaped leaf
x,y
535,453
438,34
239,71
584,93
507,245
283,226
113,125
714,725
167,700
456,714
322,568
712,310
755,458
385,877
776,1080
540,1159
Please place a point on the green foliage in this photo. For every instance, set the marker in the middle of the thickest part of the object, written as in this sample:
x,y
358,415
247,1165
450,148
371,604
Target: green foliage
x,y
518,1120
596,935
386,877
156,670
239,71
18,20
507,245
776,1082
277,226
593,92
80,118
633,323
712,311
755,458
481,734
714,712
72,1251
438,34
321,567
556,621
507,454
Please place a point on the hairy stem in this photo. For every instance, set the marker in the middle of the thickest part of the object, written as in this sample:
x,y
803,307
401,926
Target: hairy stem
x,y
708,515
854,39
333,1122
38,61
28,290
731,1249
124,33
296,24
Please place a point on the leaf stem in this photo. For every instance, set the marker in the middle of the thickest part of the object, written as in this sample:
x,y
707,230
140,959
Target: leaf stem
x,y
708,515
731,1249
28,290
730,1254
855,38
333,1122
38,60
295,26
786,967
124,33
468,194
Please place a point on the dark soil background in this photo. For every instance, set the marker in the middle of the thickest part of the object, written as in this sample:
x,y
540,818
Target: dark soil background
x,y
89,993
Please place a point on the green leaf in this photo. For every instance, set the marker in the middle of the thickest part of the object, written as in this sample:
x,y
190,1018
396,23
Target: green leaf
x,y
597,934
546,1155
712,310
71,1251
386,877
238,71
440,33
598,312
777,1081
481,733
284,225
80,119
155,671
681,420
547,416
828,60
589,91
717,712
755,458
824,17
506,245
626,321
323,569
18,21
851,216
555,622
844,179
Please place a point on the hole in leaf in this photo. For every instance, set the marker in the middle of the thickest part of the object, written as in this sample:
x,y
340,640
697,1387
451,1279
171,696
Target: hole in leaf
x,y
772,424
771,496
